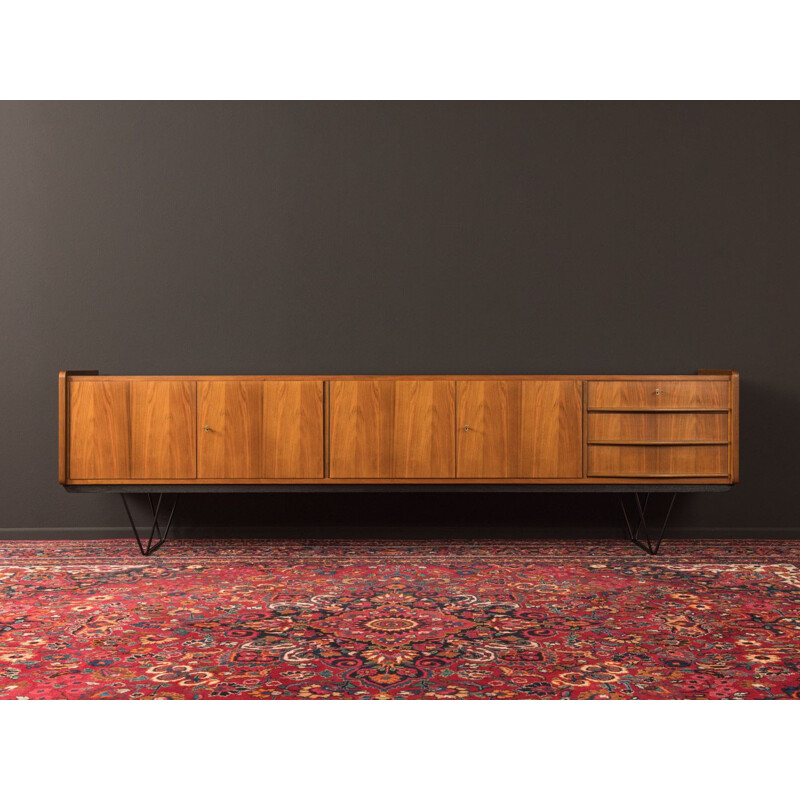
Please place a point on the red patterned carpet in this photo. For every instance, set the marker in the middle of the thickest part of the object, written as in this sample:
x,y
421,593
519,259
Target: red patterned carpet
x,y
541,619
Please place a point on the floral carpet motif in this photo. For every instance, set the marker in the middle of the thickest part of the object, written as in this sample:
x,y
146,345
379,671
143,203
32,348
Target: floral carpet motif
x,y
361,620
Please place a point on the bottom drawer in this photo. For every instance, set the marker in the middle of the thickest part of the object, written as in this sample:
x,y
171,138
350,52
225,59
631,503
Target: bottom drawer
x,y
648,461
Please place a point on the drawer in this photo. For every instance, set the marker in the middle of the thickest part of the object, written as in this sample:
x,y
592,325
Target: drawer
x,y
667,427
655,394
667,461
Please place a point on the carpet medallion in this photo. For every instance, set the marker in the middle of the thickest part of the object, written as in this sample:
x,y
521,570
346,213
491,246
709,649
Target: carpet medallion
x,y
423,620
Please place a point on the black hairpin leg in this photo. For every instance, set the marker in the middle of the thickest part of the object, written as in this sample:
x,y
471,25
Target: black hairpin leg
x,y
153,543
640,534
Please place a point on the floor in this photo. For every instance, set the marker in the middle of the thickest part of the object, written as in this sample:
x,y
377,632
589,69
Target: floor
x,y
542,619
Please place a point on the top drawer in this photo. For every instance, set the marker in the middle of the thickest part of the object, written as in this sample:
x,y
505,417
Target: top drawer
x,y
669,394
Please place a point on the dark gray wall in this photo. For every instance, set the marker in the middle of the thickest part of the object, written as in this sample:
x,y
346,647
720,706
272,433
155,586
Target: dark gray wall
x,y
399,238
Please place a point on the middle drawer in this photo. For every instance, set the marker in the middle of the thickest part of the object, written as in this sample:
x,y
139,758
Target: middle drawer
x,y
621,427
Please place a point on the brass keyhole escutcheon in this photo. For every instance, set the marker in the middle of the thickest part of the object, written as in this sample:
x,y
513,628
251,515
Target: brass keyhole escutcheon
x,y
466,427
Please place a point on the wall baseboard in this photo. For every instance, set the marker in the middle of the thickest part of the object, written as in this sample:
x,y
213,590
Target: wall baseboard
x,y
389,532
65,533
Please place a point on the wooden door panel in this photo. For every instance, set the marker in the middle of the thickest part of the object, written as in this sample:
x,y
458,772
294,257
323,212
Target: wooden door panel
x,y
229,429
551,442
292,445
163,430
424,429
99,426
361,423
482,421
519,429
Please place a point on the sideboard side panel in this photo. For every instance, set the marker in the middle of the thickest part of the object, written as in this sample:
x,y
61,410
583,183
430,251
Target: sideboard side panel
x,y
734,429
63,404
733,417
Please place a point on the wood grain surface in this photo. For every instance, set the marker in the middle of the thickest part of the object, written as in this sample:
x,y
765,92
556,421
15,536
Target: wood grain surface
x,y
99,430
664,427
403,429
163,419
229,429
667,461
659,394
292,443
424,429
362,429
519,429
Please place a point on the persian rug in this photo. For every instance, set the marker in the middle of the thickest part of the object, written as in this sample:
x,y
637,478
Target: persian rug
x,y
422,620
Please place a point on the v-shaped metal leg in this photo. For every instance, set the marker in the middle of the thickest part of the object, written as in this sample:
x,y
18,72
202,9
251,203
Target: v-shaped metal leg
x,y
153,542
639,533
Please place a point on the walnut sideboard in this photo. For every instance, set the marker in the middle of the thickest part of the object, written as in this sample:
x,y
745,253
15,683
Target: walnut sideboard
x,y
625,433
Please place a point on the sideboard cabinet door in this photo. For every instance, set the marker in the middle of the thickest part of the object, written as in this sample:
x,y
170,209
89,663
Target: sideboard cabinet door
x,y
292,441
99,430
361,423
424,440
392,429
163,419
259,429
519,429
229,429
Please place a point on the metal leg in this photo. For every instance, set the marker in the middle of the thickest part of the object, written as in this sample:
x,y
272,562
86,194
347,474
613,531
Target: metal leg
x,y
635,533
153,543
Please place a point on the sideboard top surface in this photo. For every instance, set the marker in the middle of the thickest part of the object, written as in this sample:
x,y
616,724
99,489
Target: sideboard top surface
x,y
715,376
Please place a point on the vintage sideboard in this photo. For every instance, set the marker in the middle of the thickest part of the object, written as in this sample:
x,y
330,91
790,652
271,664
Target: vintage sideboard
x,y
635,434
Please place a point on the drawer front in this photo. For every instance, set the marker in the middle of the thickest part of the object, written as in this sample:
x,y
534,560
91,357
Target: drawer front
x,y
667,427
658,394
669,461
